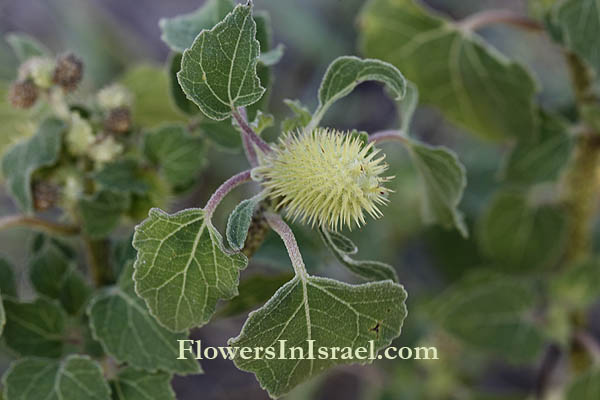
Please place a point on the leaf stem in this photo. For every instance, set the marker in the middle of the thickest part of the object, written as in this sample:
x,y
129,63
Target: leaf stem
x,y
249,132
491,17
387,136
223,190
39,224
248,147
289,240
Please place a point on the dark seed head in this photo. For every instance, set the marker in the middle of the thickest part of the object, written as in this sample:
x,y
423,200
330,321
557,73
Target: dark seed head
x,y
68,72
23,94
45,195
118,120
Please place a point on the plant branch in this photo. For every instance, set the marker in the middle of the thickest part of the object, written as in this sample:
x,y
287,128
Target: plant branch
x,y
223,190
249,132
387,136
289,240
39,224
492,17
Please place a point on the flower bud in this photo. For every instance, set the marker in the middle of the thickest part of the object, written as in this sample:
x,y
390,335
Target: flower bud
x,y
68,72
40,70
23,94
114,96
80,136
106,150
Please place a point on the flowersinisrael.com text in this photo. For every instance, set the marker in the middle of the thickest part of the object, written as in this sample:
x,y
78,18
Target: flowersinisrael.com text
x,y
194,349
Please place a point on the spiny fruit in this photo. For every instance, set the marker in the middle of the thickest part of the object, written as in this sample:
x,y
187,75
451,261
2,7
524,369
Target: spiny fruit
x,y
325,177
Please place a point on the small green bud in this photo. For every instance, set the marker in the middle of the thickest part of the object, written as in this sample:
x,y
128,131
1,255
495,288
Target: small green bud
x,y
72,190
80,136
23,94
114,96
106,150
40,70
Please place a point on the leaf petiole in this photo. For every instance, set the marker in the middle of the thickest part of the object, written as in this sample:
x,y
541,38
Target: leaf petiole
x,y
249,133
289,240
223,190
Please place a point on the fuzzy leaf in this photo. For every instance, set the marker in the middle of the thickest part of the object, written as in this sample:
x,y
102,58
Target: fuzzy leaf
x,y
132,384
123,325
585,386
331,313
472,83
8,284
444,180
345,73
34,328
101,213
179,32
23,159
342,247
489,313
56,276
300,119
272,56
75,377
408,106
218,72
182,269
239,222
26,46
579,20
121,176
522,237
179,154
541,159
262,121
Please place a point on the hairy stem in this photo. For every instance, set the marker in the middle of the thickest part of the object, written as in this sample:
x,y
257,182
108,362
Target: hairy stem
x,y
39,224
249,132
387,136
289,240
492,17
247,143
223,190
